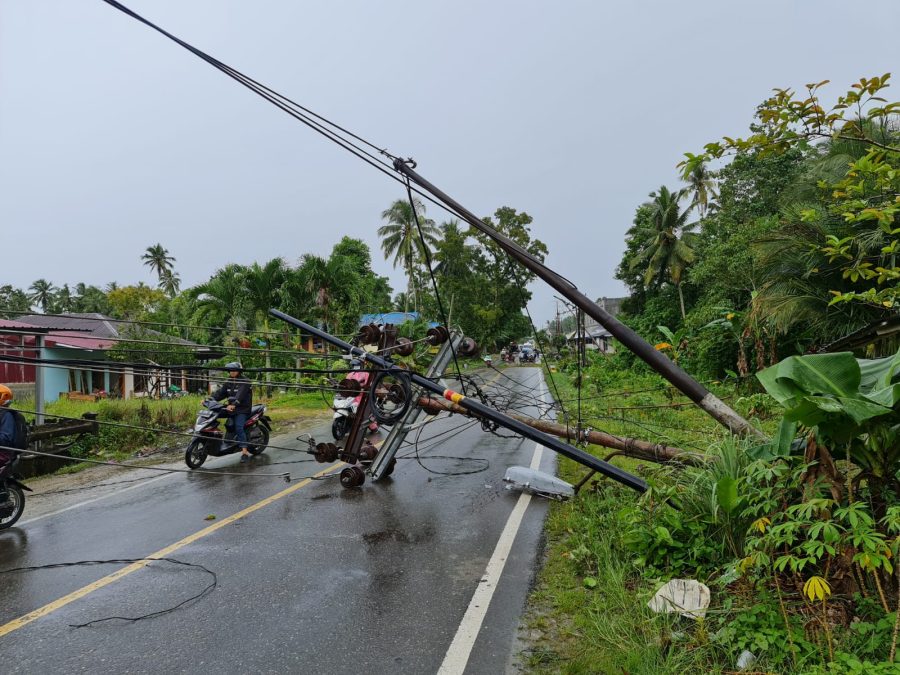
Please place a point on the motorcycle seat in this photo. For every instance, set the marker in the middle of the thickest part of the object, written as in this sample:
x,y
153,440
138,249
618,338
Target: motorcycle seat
x,y
257,408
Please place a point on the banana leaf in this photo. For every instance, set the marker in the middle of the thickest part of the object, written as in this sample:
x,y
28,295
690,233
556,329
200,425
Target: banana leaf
x,y
826,391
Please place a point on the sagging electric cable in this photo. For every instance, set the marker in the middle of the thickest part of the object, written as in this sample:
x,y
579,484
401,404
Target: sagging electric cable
x,y
541,347
333,131
123,425
81,316
156,367
427,253
127,561
286,477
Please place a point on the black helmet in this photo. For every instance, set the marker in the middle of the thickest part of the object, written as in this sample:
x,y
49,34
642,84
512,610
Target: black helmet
x,y
234,365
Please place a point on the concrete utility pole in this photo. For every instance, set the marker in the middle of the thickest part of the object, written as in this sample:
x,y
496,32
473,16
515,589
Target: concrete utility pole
x,y
687,385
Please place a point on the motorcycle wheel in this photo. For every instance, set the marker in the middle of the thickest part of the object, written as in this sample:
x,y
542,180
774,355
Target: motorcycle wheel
x,y
258,439
18,507
195,454
340,427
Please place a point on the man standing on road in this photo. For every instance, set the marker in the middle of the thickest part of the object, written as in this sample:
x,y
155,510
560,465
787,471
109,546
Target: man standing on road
x,y
240,400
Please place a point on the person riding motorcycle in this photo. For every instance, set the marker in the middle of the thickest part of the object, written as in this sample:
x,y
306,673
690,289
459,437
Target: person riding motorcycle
x,y
239,393
7,437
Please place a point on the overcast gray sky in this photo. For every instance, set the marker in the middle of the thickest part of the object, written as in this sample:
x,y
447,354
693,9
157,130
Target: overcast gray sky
x,y
112,138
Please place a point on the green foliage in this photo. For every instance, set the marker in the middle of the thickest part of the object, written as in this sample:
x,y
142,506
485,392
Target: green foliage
x,y
705,530
799,241
849,403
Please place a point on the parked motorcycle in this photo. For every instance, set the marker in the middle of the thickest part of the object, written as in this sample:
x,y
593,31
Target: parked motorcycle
x,y
345,410
209,440
10,482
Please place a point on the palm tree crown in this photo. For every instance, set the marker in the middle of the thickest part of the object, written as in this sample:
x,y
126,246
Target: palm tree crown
x,y
42,293
669,251
701,185
158,260
400,237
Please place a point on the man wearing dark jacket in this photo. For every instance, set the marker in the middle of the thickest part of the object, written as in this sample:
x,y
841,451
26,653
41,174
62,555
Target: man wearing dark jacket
x,y
240,400
7,437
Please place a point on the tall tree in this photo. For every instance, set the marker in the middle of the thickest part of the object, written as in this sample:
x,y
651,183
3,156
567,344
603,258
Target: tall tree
x,y
90,299
262,285
62,299
14,299
158,260
135,302
327,281
400,238
170,283
701,186
220,299
42,293
669,253
502,281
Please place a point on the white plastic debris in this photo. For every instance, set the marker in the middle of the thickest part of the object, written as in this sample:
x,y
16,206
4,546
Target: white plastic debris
x,y
537,483
746,660
688,597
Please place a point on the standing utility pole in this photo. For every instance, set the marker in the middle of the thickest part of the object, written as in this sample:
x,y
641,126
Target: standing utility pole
x,y
687,385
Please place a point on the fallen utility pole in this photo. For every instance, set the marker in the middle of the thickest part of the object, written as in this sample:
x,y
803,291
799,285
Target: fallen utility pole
x,y
476,407
687,385
630,447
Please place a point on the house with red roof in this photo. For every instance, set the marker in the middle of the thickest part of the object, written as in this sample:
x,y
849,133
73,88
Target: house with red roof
x,y
78,346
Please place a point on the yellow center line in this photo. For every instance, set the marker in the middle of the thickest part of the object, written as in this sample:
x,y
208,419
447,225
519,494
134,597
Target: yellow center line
x,y
15,624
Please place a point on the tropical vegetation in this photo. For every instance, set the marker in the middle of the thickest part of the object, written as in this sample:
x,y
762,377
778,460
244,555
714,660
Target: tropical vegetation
x,y
789,296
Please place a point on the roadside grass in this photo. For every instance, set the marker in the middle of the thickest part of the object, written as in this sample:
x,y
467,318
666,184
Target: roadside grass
x,y
588,611
158,424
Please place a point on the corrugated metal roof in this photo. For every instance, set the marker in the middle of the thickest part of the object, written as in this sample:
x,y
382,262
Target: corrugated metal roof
x,y
76,340
94,323
388,317
18,325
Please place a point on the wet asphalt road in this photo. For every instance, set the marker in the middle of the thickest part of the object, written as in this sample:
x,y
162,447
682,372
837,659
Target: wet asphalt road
x,y
322,580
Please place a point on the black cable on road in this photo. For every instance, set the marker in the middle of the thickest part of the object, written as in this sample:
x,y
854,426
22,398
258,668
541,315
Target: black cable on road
x,y
127,561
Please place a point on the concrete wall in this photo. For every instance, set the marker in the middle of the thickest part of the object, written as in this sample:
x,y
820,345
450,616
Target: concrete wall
x,y
56,380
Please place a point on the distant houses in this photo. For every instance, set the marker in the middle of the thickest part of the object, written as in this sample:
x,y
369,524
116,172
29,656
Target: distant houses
x,y
595,336
79,344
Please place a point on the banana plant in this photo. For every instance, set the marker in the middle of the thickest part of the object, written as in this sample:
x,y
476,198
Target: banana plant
x,y
850,403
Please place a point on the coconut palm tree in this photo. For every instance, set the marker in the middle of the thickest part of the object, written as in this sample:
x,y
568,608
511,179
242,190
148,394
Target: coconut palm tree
x,y
701,185
42,293
400,238
221,298
670,249
158,259
89,299
170,283
62,299
262,291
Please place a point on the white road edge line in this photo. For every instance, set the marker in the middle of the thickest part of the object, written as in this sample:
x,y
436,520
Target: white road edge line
x,y
457,656
95,499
